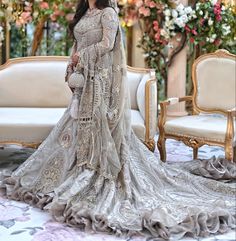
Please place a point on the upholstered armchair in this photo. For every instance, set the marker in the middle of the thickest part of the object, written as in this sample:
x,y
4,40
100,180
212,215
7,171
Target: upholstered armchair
x,y
214,99
34,95
144,107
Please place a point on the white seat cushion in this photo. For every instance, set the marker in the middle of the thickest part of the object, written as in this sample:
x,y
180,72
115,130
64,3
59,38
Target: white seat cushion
x,y
207,127
28,124
34,124
137,123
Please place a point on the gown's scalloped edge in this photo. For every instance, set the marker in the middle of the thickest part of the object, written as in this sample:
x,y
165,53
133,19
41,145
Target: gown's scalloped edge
x,y
198,224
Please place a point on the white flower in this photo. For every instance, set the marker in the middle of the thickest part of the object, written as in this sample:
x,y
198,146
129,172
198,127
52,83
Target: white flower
x,y
26,3
212,38
167,18
180,7
174,13
184,18
167,12
213,35
201,12
9,9
206,15
168,23
1,35
35,14
210,22
226,29
170,45
179,22
223,8
213,2
188,10
198,5
163,32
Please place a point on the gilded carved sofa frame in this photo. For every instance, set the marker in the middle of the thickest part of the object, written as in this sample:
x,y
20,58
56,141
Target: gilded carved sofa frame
x,y
149,141
197,142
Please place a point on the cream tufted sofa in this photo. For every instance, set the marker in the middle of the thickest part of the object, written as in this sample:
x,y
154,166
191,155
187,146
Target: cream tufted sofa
x,y
34,95
214,102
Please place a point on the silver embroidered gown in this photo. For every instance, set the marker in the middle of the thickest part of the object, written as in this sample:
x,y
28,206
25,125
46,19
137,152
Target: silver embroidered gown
x,y
93,172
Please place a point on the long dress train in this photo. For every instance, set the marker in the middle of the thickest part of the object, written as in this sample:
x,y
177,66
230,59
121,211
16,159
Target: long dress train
x,y
93,172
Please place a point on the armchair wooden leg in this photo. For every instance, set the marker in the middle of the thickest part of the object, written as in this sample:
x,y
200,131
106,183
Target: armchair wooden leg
x,y
161,144
150,144
234,154
195,152
229,151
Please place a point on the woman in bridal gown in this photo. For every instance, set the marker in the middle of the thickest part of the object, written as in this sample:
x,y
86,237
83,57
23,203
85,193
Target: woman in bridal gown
x,y
94,173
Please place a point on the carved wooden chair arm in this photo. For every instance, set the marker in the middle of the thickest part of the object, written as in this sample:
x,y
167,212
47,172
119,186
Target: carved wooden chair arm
x,y
232,112
164,104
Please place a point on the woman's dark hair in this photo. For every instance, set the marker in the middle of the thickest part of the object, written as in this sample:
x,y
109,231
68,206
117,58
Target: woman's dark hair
x,y
81,9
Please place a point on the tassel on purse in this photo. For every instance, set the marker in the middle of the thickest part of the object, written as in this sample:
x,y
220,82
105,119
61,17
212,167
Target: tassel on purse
x,y
76,80
74,108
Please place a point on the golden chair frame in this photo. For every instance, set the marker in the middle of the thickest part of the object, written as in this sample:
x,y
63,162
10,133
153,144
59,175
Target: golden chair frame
x,y
196,142
149,142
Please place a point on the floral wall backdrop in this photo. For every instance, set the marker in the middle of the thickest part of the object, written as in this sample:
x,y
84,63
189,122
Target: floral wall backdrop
x,y
39,27
204,26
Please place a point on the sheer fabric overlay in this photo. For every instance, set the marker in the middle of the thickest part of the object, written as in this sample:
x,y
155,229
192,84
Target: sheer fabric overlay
x,y
92,172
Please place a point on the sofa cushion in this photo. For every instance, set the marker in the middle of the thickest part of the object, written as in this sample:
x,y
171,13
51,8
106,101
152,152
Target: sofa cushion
x,y
207,127
137,123
133,82
28,124
34,124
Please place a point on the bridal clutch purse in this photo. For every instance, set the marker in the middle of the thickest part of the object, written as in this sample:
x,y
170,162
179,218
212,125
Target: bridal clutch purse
x,y
76,80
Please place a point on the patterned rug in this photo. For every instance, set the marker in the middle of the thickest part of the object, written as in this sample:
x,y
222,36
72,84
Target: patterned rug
x,y
21,222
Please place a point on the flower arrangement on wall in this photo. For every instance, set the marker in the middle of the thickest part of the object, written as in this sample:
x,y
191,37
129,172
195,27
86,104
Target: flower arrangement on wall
x,y
19,13
205,25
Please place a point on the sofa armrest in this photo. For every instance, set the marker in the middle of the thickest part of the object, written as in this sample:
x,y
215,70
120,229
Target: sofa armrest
x,y
151,108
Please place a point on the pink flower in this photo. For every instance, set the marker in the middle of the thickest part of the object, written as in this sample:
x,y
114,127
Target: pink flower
x,y
157,37
155,22
59,13
152,4
70,16
194,32
217,42
145,11
191,40
53,17
44,5
217,12
24,18
139,3
187,28
202,20
218,18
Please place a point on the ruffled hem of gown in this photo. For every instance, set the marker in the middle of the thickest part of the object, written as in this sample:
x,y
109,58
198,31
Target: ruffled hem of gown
x,y
197,223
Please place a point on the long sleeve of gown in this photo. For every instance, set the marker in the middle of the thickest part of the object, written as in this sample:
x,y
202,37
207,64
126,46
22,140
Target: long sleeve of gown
x,y
69,68
92,53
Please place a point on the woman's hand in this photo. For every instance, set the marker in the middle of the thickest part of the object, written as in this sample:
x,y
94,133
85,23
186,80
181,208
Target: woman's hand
x,y
72,89
75,59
